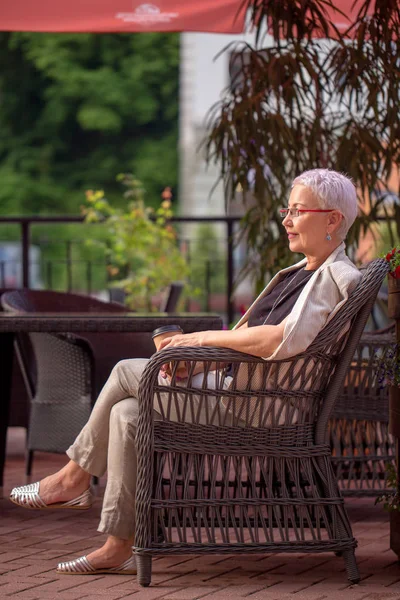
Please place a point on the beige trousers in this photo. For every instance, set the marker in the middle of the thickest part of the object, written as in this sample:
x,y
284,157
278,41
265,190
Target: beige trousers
x,y
107,442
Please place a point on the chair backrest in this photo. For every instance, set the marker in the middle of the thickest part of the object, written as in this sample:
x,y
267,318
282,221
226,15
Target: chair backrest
x,y
303,389
356,311
26,300
174,294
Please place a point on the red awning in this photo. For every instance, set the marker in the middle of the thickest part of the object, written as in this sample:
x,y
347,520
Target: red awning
x,y
217,16
121,15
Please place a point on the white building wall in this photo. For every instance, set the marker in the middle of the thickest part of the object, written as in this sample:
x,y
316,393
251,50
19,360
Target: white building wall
x,y
202,81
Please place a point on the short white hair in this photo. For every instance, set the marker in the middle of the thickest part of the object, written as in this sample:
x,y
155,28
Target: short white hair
x,y
332,190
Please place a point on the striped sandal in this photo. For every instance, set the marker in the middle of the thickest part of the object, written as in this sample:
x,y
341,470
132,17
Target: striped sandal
x,y
27,496
81,566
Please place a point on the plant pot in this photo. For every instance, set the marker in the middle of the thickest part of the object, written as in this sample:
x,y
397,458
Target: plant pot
x,y
393,297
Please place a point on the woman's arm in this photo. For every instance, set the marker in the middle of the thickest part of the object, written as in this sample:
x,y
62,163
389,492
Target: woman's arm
x,y
261,341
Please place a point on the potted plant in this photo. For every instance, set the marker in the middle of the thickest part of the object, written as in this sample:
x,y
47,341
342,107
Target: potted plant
x,y
389,374
393,258
141,245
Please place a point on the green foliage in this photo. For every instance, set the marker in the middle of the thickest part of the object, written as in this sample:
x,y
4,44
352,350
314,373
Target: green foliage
x,y
88,263
140,246
388,366
385,238
77,108
207,260
391,500
304,103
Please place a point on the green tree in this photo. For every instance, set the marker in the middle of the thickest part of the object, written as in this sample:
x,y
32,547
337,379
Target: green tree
x,y
141,245
316,97
76,109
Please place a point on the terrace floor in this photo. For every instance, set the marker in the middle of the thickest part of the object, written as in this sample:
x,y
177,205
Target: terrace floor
x,y
33,542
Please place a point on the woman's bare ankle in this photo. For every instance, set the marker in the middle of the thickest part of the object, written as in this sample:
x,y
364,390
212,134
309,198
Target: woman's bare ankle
x,y
114,552
76,477
64,485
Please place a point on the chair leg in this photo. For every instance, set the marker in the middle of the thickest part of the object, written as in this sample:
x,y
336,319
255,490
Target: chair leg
x,y
350,562
28,463
143,562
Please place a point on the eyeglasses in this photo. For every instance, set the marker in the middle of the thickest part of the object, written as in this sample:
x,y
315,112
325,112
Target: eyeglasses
x,y
295,212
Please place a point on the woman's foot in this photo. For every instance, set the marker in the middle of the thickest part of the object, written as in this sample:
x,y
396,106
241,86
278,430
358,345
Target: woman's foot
x,y
68,488
115,556
68,483
114,552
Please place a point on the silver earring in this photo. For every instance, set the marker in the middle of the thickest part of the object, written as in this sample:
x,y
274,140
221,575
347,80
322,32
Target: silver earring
x,y
328,237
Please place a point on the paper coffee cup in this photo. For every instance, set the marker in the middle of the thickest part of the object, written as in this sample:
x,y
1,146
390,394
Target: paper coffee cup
x,y
161,333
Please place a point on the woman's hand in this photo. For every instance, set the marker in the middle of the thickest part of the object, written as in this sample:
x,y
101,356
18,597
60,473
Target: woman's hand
x,y
181,371
261,340
184,340
180,340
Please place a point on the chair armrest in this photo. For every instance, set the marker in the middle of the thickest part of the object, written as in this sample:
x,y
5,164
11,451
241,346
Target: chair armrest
x,y
206,354
210,357
202,354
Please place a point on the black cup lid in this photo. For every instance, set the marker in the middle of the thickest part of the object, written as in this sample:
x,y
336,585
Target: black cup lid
x,y
166,329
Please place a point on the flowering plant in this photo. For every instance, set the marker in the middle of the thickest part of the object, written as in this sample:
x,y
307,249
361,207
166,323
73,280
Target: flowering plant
x,y
393,258
388,367
141,245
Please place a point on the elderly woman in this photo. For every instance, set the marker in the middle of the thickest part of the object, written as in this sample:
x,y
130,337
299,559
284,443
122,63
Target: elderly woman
x,y
282,322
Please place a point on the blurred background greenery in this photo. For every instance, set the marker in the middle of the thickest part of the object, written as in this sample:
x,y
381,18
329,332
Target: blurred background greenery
x,y
76,110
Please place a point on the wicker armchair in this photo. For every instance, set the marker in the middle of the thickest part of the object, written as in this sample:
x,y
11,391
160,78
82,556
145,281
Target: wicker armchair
x,y
257,476
64,392
58,372
358,431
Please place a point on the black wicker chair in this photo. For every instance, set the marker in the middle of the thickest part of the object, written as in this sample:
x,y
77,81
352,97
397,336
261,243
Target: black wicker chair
x,y
257,477
64,372
362,446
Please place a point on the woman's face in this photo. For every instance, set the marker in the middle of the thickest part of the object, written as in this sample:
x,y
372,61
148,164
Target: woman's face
x,y
307,232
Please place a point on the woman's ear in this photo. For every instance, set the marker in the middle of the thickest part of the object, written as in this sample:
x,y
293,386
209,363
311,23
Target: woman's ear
x,y
334,219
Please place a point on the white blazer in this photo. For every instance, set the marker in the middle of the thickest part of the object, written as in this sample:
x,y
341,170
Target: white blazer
x,y
318,302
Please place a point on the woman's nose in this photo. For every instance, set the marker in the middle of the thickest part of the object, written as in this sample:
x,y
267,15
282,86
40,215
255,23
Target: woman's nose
x,y
287,220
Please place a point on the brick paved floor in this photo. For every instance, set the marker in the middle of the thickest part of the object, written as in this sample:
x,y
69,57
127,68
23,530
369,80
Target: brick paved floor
x,y
32,542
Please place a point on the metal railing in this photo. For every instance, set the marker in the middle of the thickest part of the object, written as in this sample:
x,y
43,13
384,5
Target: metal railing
x,y
25,224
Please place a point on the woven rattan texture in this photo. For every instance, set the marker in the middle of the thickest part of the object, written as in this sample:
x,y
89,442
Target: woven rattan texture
x,y
63,388
361,443
248,467
62,402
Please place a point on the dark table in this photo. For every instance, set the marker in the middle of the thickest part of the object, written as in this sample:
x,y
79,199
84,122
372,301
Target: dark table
x,y
11,323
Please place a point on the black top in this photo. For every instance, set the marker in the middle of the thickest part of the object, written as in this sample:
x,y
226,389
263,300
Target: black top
x,y
285,293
